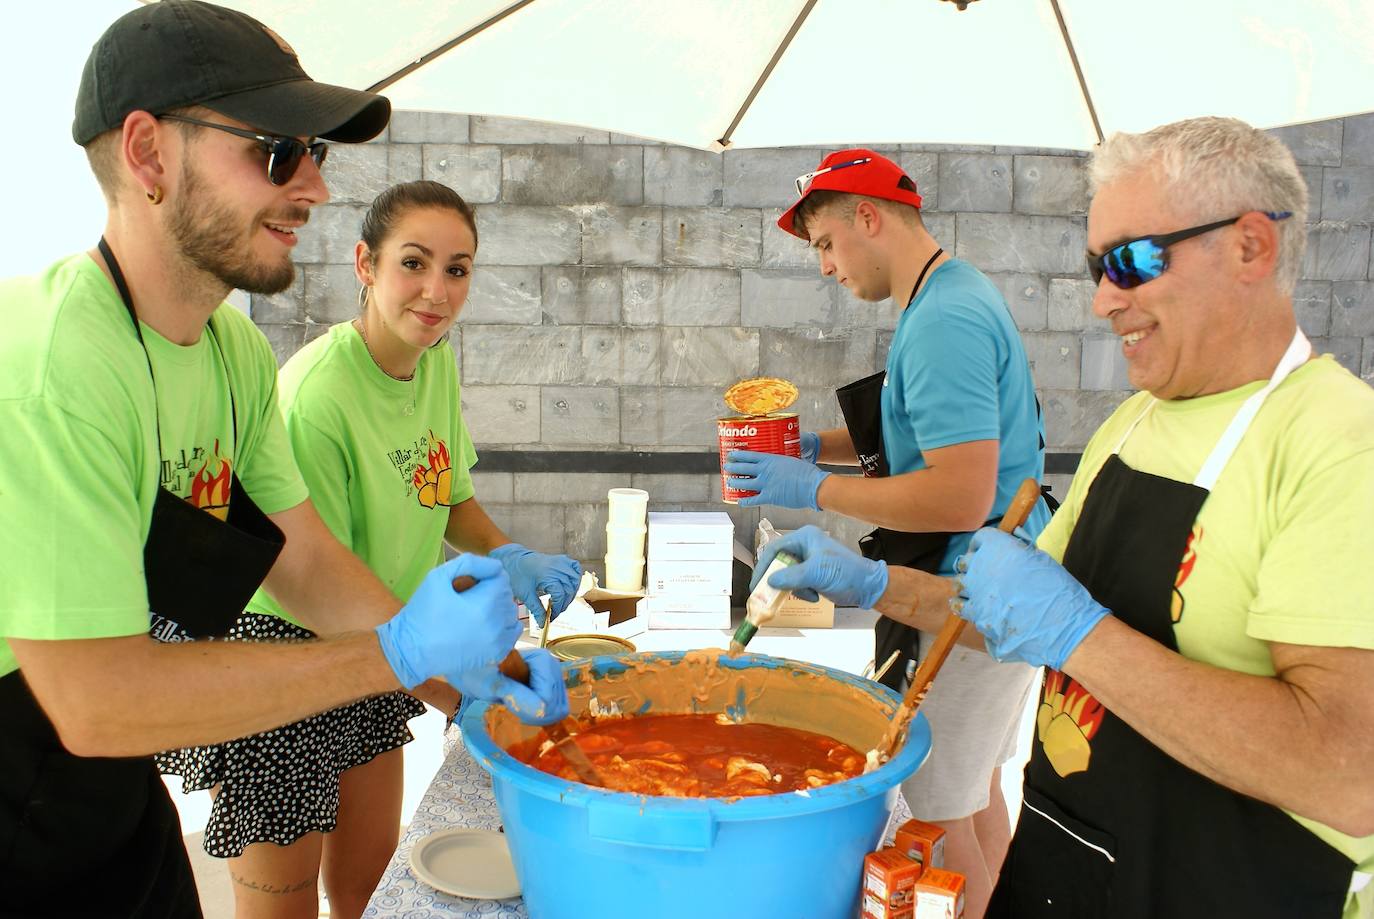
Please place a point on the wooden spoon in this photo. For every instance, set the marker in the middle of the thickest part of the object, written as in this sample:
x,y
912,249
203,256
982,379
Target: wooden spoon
x,y
1019,510
514,666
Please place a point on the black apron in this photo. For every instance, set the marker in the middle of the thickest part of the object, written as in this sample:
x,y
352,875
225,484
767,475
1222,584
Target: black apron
x,y
1127,831
861,406
99,836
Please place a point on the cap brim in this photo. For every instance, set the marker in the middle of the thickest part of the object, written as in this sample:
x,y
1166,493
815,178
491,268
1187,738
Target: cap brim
x,y
901,196
788,216
304,108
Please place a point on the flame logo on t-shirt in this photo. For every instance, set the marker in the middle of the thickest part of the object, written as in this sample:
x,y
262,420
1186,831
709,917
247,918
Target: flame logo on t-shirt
x,y
1185,568
210,485
1066,721
433,481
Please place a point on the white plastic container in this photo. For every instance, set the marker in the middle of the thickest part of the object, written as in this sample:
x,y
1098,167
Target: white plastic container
x,y
625,541
624,573
629,506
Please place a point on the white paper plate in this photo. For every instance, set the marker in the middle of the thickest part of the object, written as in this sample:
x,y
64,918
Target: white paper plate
x,y
468,863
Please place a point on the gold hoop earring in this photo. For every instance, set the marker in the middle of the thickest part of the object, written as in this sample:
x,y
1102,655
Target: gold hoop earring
x,y
155,196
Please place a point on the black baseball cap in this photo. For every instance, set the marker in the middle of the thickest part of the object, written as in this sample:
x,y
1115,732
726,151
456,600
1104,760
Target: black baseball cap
x,y
175,53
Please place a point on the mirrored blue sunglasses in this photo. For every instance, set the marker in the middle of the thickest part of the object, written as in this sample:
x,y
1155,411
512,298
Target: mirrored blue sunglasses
x,y
1137,261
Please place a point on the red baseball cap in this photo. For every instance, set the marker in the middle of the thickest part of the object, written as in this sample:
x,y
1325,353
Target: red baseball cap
x,y
855,172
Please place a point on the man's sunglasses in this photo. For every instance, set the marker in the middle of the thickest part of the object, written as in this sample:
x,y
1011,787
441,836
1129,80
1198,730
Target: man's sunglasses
x,y
283,153
1137,261
804,181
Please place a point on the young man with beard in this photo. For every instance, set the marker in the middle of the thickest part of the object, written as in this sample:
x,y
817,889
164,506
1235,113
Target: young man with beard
x,y
147,486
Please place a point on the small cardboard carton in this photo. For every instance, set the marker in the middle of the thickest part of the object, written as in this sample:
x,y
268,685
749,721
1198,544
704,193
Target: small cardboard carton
x,y
798,614
921,842
939,895
597,611
889,885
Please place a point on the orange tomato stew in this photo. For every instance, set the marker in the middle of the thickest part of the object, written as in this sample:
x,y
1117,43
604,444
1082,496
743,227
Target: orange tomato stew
x,y
699,756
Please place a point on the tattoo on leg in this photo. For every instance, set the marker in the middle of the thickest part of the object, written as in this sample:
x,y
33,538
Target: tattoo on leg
x,y
273,888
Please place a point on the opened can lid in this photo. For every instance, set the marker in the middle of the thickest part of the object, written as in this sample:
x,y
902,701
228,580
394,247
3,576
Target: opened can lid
x,y
761,395
579,647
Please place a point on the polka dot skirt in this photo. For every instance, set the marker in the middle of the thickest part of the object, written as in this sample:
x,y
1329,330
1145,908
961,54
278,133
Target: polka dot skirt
x,y
281,784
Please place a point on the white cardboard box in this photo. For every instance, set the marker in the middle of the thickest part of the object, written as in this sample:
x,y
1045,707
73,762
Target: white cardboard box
x,y
798,614
699,578
685,536
686,612
598,611
685,603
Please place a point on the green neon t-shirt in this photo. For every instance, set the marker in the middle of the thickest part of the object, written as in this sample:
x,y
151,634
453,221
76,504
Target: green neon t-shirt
x,y
79,451
1281,550
382,479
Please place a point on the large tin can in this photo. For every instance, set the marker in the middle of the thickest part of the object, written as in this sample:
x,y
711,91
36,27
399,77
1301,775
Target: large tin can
x,y
584,645
779,432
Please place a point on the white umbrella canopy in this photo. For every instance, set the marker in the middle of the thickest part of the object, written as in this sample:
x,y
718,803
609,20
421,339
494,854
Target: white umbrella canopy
x,y
716,74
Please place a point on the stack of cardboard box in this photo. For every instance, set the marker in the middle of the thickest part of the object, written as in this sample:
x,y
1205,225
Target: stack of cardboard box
x,y
690,562
907,880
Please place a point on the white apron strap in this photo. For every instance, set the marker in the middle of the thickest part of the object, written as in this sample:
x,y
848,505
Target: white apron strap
x,y
1138,418
1299,350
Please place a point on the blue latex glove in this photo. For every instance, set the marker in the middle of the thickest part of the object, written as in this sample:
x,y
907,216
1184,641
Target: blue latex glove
x,y
534,573
546,682
441,632
782,480
810,446
543,701
457,717
826,567
1028,607
550,693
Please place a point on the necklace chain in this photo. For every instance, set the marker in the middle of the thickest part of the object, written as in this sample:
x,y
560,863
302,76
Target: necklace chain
x,y
362,333
410,407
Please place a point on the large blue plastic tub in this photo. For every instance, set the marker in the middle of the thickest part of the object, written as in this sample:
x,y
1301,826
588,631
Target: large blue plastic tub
x,y
586,853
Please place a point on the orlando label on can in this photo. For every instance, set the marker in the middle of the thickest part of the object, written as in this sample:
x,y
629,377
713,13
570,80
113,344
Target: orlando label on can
x,y
758,424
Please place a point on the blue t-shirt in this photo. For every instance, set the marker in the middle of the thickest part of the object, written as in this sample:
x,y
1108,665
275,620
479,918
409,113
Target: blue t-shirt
x,y
957,372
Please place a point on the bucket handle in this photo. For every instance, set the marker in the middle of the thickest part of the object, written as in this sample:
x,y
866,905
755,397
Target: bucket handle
x,y
684,828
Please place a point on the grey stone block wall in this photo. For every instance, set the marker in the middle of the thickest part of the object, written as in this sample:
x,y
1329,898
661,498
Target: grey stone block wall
x,y
622,284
